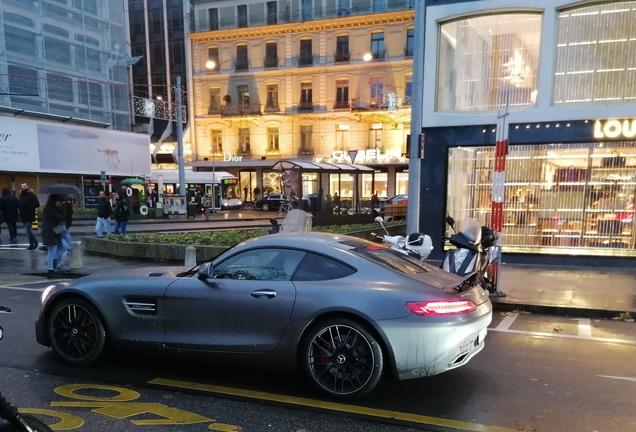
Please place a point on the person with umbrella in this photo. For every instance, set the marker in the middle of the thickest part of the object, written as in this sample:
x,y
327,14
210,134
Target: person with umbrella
x,y
28,203
52,228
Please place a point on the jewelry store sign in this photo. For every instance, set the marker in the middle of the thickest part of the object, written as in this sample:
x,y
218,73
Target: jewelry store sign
x,y
615,128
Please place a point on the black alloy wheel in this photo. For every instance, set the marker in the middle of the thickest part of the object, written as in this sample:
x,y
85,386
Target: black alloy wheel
x,y
342,358
265,206
76,332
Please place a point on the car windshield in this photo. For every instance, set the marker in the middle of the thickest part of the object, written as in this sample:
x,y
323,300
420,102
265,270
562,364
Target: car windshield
x,y
388,257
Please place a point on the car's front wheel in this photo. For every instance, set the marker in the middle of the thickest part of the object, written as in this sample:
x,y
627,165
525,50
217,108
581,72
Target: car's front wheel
x,y
76,331
343,358
265,206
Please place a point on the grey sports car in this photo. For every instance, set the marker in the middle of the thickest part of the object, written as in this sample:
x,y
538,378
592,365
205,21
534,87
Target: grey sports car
x,y
345,310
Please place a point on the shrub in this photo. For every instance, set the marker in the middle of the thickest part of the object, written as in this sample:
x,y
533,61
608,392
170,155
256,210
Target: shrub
x,y
230,237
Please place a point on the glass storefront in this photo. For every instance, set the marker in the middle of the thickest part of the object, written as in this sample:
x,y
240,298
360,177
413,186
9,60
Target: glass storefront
x,y
575,196
596,53
488,61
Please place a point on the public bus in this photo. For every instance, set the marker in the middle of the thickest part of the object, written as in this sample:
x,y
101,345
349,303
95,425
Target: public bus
x,y
218,190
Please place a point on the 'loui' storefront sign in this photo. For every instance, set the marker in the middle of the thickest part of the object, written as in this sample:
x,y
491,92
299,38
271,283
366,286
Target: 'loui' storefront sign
x,y
615,129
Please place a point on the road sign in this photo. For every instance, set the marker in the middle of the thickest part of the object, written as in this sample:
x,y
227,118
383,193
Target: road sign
x,y
103,176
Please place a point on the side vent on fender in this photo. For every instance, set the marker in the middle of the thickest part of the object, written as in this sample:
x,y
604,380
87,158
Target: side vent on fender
x,y
155,274
141,306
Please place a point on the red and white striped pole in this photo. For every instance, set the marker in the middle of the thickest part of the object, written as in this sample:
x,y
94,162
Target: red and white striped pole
x,y
498,187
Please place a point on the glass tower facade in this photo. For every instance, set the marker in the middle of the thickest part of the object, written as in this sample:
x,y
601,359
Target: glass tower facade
x,y
66,58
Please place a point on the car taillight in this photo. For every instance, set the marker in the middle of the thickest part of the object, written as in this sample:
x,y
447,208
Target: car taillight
x,y
437,307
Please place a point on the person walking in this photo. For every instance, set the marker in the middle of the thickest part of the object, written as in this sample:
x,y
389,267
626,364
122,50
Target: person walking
x,y
121,214
9,206
66,205
52,228
104,210
27,203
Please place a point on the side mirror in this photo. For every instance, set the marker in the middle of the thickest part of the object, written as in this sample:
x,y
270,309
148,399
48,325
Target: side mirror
x,y
205,271
379,220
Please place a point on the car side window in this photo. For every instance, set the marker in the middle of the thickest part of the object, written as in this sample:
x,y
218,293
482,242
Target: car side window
x,y
315,267
260,264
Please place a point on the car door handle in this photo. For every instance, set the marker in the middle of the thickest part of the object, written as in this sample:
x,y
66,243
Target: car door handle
x,y
264,293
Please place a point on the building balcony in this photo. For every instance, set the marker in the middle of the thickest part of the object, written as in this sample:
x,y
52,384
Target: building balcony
x,y
270,62
305,60
245,152
368,104
306,152
242,109
272,108
342,57
306,106
378,55
341,104
214,109
241,66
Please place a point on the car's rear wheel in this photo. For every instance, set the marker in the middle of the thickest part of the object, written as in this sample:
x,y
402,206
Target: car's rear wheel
x,y
76,331
265,206
343,358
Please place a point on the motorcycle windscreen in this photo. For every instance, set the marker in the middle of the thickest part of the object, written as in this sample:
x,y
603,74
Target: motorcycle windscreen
x,y
471,229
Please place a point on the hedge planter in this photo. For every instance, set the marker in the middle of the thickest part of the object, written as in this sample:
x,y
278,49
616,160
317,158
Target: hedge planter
x,y
149,251
167,252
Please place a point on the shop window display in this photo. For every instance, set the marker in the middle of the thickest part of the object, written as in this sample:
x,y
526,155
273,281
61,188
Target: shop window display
x,y
575,196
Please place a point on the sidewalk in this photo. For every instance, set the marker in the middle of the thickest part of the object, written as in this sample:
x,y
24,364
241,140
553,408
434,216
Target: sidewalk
x,y
593,292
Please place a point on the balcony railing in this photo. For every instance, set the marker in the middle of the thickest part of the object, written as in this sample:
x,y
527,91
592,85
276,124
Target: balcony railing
x,y
288,16
368,104
305,60
342,57
242,109
378,55
408,52
306,106
272,108
271,62
241,66
341,104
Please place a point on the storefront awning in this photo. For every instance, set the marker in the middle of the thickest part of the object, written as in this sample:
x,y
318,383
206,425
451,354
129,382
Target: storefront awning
x,y
319,166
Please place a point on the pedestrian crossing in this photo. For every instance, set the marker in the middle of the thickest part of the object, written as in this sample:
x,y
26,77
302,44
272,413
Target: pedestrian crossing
x,y
547,326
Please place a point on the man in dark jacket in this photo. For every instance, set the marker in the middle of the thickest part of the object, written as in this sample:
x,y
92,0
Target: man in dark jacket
x,y
104,210
9,206
27,203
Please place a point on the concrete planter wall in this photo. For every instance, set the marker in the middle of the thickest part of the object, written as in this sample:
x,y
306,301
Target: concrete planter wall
x,y
164,252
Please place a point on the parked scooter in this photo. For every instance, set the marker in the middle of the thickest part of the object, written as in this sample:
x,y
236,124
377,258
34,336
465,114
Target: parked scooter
x,y
477,251
10,419
416,244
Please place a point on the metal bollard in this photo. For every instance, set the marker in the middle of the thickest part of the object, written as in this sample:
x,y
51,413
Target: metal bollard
x,y
190,256
76,253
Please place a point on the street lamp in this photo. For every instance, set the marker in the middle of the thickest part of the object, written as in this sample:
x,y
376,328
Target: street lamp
x,y
367,57
210,64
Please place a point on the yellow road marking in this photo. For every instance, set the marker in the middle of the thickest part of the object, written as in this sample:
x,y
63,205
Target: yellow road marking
x,y
332,406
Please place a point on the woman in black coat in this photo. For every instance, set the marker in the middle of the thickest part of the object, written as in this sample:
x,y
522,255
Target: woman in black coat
x,y
9,207
52,227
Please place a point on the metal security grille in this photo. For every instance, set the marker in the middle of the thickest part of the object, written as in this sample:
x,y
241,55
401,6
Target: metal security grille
x,y
574,196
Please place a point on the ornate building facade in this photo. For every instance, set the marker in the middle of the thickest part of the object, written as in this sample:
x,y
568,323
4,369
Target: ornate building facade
x,y
330,83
